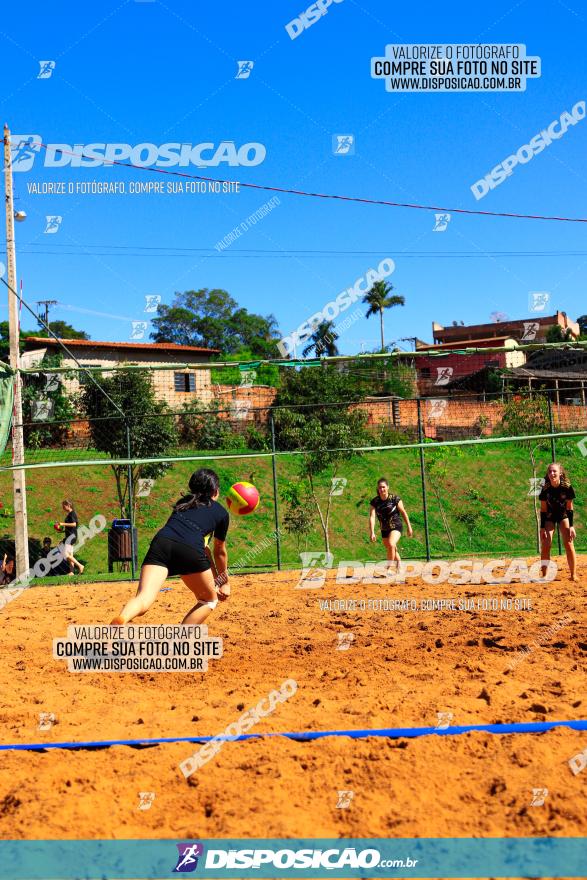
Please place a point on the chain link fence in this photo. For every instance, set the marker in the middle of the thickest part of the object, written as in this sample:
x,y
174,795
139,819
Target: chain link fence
x,y
468,466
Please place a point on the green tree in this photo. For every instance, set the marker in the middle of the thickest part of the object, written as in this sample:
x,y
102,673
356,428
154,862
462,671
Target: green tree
x,y
582,322
555,333
312,412
62,330
213,319
298,519
47,409
378,299
323,340
203,427
150,422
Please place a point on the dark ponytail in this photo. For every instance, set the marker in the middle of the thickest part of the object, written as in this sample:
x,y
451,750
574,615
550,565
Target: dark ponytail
x,y
203,485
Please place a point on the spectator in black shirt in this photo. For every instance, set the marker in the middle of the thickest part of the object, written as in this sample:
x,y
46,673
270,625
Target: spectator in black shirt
x,y
556,508
181,548
389,510
70,527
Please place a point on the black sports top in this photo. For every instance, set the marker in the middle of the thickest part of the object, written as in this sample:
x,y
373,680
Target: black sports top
x,y
387,511
556,501
197,525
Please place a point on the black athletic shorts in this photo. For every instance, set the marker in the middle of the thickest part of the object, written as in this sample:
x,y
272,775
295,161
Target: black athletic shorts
x,y
394,526
556,518
177,557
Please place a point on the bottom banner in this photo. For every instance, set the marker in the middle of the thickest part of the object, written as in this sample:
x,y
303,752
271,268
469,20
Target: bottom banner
x,y
340,858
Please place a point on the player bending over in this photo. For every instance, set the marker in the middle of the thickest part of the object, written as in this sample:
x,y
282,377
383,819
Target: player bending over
x,y
181,548
556,507
389,510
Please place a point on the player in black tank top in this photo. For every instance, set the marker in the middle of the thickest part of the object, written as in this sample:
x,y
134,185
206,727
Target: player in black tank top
x,y
556,508
389,510
181,547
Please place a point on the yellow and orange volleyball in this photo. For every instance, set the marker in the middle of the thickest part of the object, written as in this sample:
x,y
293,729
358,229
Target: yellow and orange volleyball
x,y
242,498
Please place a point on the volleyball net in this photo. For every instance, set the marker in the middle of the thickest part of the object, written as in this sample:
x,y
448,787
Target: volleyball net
x,y
466,451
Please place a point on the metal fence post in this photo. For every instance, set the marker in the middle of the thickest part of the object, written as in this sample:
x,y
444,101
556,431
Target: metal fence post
x,y
423,478
275,496
131,514
553,457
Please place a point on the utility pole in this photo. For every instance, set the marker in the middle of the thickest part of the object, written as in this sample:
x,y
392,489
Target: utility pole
x,y
47,303
21,534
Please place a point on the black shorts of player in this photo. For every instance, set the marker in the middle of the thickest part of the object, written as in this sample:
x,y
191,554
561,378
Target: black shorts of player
x,y
394,526
556,518
177,557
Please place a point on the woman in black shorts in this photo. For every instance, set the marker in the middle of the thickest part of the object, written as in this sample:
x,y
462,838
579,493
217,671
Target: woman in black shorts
x,y
556,508
181,548
389,510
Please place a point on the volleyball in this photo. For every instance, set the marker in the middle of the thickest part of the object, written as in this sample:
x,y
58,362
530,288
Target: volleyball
x,y
242,498
58,527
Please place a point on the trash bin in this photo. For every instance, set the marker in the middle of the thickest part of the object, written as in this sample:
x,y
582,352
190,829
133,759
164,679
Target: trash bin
x,y
120,544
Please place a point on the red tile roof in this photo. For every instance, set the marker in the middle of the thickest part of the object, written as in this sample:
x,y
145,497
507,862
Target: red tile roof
x,y
145,346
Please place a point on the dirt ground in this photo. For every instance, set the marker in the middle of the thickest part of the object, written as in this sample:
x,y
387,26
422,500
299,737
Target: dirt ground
x,y
401,669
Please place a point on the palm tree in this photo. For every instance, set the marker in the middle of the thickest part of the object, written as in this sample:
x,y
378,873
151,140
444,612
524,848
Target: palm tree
x,y
378,299
323,340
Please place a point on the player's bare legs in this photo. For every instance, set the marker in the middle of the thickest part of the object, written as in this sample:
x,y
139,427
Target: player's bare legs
x,y
151,580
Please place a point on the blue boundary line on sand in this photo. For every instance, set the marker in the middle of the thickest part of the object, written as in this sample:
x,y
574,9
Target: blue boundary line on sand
x,y
390,732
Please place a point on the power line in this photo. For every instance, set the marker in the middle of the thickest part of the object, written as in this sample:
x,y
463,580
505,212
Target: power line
x,y
295,254
364,201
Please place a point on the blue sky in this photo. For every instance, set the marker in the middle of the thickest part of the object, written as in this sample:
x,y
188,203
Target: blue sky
x,y
160,72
